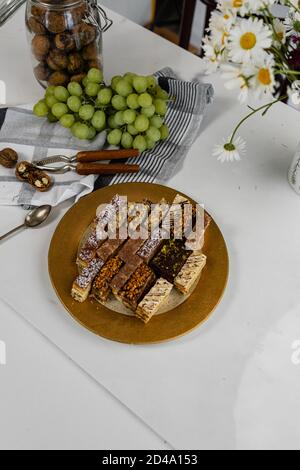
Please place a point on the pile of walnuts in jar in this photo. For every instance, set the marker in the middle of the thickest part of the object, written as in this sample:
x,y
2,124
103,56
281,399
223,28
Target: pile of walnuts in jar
x,y
64,42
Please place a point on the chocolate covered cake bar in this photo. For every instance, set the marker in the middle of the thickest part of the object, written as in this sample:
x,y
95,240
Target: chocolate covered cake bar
x,y
101,287
190,273
138,286
83,283
169,261
154,300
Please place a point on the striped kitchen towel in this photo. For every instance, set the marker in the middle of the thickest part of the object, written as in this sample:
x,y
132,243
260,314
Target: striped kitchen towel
x,y
34,139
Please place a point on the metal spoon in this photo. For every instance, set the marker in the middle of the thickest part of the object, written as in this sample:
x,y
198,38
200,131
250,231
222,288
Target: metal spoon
x,y
33,219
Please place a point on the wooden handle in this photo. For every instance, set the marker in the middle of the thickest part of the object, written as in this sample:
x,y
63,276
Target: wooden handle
x,y
98,169
101,155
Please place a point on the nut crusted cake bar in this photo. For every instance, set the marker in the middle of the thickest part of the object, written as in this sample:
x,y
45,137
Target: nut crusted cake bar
x,y
170,260
83,283
190,272
101,287
138,285
154,300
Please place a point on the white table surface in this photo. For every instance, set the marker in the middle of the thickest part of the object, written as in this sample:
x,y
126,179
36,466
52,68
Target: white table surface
x,y
231,384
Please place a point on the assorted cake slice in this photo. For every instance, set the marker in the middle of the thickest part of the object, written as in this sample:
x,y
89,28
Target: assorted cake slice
x,y
140,273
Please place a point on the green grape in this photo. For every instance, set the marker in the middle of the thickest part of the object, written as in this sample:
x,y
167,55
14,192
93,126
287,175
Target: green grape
x,y
74,103
141,123
133,101
86,112
75,89
51,117
82,131
132,130
74,128
151,82
156,121
150,143
145,100
140,143
140,84
41,109
95,75
114,137
123,88
104,96
129,116
119,119
92,89
92,133
119,103
114,81
161,107
164,131
153,133
50,91
67,120
85,81
99,120
50,100
129,77
112,123
61,94
148,112
127,140
161,94
59,109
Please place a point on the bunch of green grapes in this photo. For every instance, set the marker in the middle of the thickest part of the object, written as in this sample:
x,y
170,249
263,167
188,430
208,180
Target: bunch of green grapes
x,y
131,109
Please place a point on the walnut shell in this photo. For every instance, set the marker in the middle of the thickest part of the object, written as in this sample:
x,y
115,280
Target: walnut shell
x,y
40,46
58,78
85,33
42,72
75,63
95,64
8,158
55,22
38,11
28,173
36,26
90,52
57,60
78,77
65,42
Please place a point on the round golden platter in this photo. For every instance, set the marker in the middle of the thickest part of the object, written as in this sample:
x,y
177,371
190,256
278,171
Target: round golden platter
x,y
116,326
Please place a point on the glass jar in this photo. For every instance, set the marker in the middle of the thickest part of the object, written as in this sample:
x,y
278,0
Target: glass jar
x,y
65,38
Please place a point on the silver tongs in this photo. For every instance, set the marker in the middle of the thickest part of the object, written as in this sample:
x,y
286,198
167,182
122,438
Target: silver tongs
x,y
85,163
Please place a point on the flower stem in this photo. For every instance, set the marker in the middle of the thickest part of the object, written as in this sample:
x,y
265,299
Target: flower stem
x,y
264,108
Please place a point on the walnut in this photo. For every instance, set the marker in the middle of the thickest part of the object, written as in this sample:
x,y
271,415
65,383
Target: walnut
x,y
78,77
42,72
90,52
57,60
55,22
36,26
40,46
75,62
79,13
58,78
28,173
65,42
38,11
8,158
85,33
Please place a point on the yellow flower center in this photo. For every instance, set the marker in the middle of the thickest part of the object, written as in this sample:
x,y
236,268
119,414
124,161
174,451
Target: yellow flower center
x,y
237,3
280,35
226,17
248,41
264,77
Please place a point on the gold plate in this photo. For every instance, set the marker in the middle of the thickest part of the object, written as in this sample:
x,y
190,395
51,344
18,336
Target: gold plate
x,y
115,326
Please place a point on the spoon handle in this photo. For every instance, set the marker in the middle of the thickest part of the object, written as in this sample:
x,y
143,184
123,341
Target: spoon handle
x,y
12,231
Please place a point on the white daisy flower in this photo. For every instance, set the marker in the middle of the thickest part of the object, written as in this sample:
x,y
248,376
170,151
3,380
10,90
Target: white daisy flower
x,y
213,55
257,5
236,79
236,6
230,151
248,40
280,31
219,27
263,79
